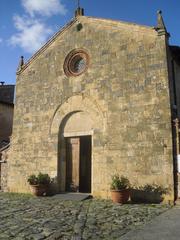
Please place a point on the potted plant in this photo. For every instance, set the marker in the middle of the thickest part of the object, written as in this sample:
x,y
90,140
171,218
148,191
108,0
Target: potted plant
x,y
120,189
39,184
149,193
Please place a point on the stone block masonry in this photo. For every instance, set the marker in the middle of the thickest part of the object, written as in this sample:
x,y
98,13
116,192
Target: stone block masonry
x,y
49,218
124,93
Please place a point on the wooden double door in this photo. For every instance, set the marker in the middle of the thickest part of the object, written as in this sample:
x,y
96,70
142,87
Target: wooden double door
x,y
78,164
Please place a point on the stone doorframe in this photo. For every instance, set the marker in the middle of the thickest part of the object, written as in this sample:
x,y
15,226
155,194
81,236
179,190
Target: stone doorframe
x,y
75,104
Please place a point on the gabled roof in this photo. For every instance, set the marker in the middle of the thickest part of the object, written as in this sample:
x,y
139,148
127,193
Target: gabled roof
x,y
67,26
119,21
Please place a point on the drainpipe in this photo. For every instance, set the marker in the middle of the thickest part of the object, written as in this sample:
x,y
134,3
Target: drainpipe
x,y
177,140
177,135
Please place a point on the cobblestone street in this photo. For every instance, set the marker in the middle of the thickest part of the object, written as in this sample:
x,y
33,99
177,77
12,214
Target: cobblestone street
x,y
25,217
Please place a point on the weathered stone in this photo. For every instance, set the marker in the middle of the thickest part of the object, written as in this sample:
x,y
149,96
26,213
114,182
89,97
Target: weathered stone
x,y
86,220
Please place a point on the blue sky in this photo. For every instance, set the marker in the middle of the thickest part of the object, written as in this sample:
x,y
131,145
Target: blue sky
x,y
26,24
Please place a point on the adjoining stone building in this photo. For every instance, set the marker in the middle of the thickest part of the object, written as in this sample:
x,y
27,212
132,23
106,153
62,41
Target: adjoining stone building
x,y
6,122
98,98
6,112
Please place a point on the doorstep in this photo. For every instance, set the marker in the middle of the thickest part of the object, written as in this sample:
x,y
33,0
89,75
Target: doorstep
x,y
177,202
69,196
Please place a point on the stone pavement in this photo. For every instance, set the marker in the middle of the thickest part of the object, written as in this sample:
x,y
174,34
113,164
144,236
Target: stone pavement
x,y
164,227
23,217
73,196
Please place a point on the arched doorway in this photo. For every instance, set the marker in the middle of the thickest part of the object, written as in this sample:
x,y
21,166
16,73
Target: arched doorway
x,y
76,133
81,119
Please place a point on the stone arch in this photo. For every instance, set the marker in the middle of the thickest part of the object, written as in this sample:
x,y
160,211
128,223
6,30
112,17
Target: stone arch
x,y
74,104
65,116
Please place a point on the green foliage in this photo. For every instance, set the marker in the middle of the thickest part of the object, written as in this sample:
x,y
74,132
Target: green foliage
x,y
119,182
41,178
16,196
153,188
32,180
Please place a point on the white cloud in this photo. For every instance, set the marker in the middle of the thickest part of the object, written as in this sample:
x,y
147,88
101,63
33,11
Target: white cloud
x,y
1,40
44,7
32,31
31,35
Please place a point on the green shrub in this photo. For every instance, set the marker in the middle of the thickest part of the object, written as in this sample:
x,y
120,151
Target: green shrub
x,y
153,188
119,182
41,178
32,180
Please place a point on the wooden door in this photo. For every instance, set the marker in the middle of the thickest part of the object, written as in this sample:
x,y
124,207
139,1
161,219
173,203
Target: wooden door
x,y
72,164
85,164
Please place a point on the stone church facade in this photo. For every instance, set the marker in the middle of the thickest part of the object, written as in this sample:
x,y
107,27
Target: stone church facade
x,y
98,98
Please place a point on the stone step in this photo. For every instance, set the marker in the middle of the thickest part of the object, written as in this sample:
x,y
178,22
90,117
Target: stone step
x,y
73,196
177,202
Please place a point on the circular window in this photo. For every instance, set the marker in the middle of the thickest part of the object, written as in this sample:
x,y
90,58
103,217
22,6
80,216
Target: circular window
x,y
76,63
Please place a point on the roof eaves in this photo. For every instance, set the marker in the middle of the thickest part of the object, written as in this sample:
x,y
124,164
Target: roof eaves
x,y
123,22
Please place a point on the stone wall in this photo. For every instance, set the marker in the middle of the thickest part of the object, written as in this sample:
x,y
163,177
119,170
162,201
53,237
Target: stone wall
x,y
7,93
175,62
125,92
6,121
4,170
177,84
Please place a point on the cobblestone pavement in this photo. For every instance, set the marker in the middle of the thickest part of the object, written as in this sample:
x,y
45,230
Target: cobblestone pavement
x,y
25,217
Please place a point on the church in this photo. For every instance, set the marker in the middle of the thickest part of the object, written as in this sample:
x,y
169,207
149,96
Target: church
x,y
100,97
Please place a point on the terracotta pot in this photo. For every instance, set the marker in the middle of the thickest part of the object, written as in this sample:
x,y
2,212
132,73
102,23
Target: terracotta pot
x,y
120,196
40,189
